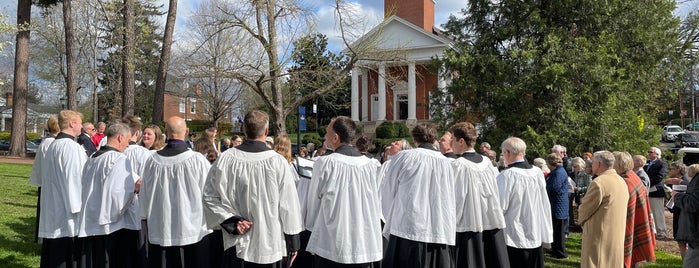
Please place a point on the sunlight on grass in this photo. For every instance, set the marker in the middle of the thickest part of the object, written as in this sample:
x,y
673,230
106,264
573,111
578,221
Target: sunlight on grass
x,y
17,214
574,246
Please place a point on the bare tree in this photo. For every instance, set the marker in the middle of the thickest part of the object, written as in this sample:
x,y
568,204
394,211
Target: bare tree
x,y
159,96
213,50
127,65
21,80
265,74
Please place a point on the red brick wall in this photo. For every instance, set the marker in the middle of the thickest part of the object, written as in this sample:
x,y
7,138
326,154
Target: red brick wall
x,y
424,83
419,12
172,108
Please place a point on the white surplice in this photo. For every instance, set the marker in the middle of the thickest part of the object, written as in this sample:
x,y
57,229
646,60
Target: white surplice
x,y
171,198
260,188
108,195
61,173
138,156
417,197
303,169
477,199
343,211
35,175
526,207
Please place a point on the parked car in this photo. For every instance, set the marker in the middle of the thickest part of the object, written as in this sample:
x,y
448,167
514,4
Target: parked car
x,y
689,156
686,140
31,146
670,132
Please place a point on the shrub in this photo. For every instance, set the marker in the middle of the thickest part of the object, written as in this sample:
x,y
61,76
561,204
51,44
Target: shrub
x,y
30,135
321,130
311,137
403,130
389,130
386,131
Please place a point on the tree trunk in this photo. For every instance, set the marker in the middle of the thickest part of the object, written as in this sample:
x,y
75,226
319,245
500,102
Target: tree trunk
x,y
127,66
159,98
21,80
71,91
279,126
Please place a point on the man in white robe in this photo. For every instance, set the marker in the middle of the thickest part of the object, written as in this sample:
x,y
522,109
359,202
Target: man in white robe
x,y
35,175
526,206
480,239
61,174
138,156
251,194
417,201
344,213
171,203
109,219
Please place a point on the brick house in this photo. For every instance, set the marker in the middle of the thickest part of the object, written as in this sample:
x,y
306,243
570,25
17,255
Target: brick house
x,y
188,104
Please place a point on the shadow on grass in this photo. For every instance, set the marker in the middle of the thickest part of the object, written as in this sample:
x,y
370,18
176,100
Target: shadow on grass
x,y
20,248
20,205
33,192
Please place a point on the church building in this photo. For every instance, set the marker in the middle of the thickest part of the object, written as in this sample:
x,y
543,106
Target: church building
x,y
396,81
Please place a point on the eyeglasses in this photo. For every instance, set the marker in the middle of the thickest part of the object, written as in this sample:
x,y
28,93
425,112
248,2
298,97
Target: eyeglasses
x,y
651,152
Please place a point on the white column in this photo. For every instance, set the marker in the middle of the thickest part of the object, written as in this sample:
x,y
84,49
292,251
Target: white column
x,y
355,94
2,125
412,103
382,93
365,95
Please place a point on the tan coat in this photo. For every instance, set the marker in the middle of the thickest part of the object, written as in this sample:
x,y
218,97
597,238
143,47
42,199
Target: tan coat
x,y
603,217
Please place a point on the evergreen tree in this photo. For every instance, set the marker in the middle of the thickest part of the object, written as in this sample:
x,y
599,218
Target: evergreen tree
x,y
586,74
147,52
314,67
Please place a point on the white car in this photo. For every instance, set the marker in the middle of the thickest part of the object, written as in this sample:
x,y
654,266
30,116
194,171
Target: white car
x,y
671,132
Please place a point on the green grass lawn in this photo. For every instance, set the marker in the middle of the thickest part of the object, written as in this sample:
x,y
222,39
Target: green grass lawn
x,y
574,246
18,208
17,216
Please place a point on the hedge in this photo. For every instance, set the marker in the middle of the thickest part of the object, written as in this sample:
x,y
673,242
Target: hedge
x,y
388,130
311,137
30,136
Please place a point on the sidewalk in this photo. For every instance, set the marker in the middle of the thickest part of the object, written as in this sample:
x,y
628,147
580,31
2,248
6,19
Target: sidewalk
x,y
17,160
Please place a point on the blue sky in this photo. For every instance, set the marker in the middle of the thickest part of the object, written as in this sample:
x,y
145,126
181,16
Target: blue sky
x,y
372,10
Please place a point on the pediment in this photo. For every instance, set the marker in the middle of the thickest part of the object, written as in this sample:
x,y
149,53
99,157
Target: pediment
x,y
396,33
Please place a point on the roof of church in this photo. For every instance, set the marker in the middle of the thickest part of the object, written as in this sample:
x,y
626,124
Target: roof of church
x,y
396,33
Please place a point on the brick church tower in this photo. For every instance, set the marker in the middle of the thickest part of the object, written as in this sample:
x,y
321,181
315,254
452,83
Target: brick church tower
x,y
419,12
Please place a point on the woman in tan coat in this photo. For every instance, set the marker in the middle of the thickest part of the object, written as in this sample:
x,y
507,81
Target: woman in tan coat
x,y
602,215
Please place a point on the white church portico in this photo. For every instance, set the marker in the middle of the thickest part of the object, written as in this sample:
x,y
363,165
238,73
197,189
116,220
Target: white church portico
x,y
398,87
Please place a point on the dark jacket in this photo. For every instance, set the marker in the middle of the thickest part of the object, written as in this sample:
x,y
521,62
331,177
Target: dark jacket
x,y
86,142
557,189
656,172
688,202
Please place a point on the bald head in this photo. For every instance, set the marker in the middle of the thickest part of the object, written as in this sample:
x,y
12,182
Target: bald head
x,y
176,128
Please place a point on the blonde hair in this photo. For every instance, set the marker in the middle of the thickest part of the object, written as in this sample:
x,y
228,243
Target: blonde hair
x,y
67,116
158,142
282,145
52,125
623,162
692,170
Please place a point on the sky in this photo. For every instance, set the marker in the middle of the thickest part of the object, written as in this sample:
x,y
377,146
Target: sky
x,y
371,10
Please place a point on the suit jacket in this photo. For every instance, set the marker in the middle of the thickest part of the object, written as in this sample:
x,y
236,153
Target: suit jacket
x,y
602,215
657,170
86,142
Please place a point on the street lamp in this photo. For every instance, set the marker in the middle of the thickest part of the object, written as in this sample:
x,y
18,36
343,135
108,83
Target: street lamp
x,y
298,113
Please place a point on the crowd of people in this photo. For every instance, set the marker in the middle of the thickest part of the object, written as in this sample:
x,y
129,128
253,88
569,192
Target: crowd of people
x,y
138,197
